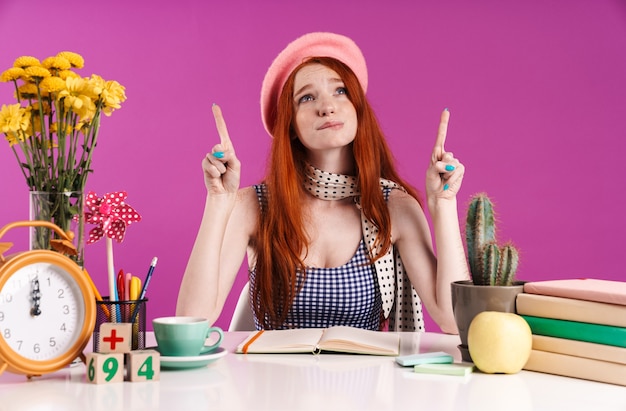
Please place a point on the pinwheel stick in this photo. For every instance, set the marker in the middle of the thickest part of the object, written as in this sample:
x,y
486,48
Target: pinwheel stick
x,y
111,273
111,215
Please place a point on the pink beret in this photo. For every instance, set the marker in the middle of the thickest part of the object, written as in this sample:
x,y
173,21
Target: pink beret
x,y
309,45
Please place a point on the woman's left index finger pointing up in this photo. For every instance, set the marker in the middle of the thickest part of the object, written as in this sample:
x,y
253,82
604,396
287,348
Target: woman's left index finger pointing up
x,y
221,128
439,149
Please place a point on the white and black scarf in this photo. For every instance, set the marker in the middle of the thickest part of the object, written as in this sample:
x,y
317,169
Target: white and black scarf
x,y
396,290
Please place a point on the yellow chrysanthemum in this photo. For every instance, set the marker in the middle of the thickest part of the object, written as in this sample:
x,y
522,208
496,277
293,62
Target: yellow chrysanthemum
x,y
94,86
113,95
74,86
12,139
26,61
75,59
65,74
73,102
75,98
12,74
53,103
56,63
83,126
37,72
45,107
35,125
54,127
14,121
87,109
35,122
52,84
27,91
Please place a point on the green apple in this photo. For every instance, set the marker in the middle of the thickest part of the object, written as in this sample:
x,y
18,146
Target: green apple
x,y
499,342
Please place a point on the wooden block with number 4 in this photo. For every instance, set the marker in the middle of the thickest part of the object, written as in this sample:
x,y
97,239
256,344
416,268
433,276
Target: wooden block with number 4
x,y
104,368
143,365
115,337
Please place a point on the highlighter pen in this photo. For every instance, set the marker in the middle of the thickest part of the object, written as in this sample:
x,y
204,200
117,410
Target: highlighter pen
x,y
127,279
145,287
135,287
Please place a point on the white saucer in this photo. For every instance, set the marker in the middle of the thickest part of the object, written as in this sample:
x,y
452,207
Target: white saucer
x,y
195,361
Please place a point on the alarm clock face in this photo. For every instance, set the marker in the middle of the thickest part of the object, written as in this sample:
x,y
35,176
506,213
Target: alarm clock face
x,y
42,311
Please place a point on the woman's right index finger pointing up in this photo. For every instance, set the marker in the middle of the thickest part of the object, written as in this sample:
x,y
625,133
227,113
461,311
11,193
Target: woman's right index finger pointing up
x,y
438,149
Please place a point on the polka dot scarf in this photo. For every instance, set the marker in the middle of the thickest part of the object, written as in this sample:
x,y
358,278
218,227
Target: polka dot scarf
x,y
393,282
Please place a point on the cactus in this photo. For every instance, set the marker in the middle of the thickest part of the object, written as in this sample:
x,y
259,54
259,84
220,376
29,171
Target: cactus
x,y
489,263
509,260
479,230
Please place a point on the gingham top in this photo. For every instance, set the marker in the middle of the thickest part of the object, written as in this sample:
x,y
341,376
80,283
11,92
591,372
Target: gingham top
x,y
346,295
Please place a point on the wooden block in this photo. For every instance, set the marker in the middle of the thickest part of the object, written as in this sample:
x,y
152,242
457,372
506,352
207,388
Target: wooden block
x,y
143,365
115,337
104,368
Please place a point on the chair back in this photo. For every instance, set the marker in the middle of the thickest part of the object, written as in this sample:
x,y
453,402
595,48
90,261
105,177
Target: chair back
x,y
242,319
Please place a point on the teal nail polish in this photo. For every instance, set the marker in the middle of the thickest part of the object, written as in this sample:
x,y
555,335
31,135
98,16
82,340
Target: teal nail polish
x,y
445,187
450,167
218,154
446,109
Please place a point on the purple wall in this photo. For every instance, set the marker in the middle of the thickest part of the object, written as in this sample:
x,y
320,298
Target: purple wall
x,y
536,90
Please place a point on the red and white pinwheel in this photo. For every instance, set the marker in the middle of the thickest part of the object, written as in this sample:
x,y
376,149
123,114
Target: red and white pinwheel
x,y
111,214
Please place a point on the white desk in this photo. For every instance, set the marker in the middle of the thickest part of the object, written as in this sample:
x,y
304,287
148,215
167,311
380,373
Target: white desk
x,y
307,382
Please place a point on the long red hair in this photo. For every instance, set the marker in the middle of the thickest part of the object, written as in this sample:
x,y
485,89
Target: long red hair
x,y
281,239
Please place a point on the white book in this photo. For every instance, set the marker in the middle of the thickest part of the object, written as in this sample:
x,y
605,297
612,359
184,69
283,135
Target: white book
x,y
316,340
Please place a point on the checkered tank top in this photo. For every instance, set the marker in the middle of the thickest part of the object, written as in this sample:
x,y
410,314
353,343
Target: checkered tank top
x,y
346,295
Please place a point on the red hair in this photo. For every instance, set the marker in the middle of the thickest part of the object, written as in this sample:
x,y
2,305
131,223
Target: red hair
x,y
281,239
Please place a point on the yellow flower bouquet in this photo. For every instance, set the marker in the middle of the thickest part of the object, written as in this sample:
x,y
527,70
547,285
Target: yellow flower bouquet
x,y
53,127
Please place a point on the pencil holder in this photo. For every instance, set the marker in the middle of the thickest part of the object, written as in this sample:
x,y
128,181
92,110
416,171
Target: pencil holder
x,y
133,311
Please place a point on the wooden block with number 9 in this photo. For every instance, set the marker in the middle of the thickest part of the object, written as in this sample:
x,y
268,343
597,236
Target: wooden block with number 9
x,y
144,365
104,368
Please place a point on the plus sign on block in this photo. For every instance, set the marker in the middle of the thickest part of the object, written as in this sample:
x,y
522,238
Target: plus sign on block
x,y
115,337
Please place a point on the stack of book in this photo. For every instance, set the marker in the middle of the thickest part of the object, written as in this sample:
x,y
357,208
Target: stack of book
x,y
578,326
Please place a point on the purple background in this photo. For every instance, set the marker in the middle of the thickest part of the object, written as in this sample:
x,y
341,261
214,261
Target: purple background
x,y
536,89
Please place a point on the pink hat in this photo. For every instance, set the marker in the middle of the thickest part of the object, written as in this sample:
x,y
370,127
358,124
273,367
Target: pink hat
x,y
309,45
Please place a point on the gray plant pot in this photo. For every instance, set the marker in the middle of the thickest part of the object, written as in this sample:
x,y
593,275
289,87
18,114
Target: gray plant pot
x,y
468,300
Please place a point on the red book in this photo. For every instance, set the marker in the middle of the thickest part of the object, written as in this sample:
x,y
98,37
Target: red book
x,y
589,289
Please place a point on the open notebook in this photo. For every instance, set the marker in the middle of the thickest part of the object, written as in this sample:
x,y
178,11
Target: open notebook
x,y
316,340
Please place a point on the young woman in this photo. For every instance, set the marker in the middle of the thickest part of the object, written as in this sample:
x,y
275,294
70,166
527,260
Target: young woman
x,y
325,230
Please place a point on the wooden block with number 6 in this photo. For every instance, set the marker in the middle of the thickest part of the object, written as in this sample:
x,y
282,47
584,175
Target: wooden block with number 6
x,y
115,337
104,368
143,365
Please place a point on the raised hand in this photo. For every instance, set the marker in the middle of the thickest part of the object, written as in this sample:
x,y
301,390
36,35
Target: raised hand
x,y
221,167
445,173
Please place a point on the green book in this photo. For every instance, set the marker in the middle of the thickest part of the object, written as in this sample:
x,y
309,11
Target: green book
x,y
573,330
